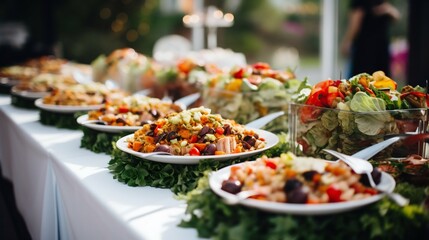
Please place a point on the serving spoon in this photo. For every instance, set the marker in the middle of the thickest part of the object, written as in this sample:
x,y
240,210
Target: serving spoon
x,y
144,155
260,122
410,138
361,166
186,101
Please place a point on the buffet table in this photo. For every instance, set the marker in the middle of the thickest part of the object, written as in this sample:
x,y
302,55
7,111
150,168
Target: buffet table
x,y
66,192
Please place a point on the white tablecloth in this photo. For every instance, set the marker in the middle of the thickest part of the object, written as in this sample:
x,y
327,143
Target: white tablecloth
x,y
64,191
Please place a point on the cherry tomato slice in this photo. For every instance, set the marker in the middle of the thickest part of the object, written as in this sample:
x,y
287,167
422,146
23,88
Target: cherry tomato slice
x,y
123,109
220,130
270,165
334,194
194,139
194,152
261,66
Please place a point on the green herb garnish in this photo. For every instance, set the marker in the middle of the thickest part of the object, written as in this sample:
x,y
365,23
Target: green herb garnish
x,y
99,142
60,120
22,102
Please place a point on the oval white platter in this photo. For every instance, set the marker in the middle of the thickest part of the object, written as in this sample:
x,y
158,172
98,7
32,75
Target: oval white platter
x,y
216,178
271,141
64,108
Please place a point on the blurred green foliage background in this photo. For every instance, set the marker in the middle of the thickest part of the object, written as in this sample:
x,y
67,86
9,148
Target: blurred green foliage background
x,y
82,30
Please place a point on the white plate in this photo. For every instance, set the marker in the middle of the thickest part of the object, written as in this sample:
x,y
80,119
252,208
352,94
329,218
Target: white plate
x,y
83,120
28,94
8,81
64,108
271,139
216,178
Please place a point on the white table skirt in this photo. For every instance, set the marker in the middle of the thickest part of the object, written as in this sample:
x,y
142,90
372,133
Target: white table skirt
x,y
64,191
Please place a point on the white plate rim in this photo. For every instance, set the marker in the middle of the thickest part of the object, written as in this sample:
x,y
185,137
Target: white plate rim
x,y
28,94
82,120
271,139
64,108
215,181
9,81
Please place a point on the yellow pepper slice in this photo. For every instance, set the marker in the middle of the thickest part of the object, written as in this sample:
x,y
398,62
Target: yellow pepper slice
x,y
382,81
234,85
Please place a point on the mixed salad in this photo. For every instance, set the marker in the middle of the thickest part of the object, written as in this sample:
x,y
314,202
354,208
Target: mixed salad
x,y
83,95
133,111
195,132
349,115
46,82
247,93
187,76
126,68
299,180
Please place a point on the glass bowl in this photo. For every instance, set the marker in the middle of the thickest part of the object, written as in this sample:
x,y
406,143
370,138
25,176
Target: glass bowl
x,y
245,107
312,129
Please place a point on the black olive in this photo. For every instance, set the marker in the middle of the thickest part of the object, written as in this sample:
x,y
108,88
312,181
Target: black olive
x,y
160,137
309,175
291,184
376,175
171,135
150,134
203,131
298,195
153,126
211,131
231,186
246,145
121,120
227,129
201,140
247,138
251,141
210,149
162,148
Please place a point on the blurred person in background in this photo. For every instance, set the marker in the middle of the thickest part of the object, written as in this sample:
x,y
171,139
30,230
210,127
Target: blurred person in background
x,y
366,41
418,39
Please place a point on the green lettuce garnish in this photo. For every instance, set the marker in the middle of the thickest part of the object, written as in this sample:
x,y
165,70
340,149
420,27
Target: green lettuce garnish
x,y
270,83
373,123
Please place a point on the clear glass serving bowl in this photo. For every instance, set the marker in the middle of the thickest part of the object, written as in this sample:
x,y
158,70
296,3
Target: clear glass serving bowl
x,y
245,107
312,129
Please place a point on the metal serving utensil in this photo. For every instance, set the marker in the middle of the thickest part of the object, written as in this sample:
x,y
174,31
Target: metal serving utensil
x,y
361,166
186,101
369,152
260,122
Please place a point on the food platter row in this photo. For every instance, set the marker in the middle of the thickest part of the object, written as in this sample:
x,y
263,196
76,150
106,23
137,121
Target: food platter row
x,y
347,115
